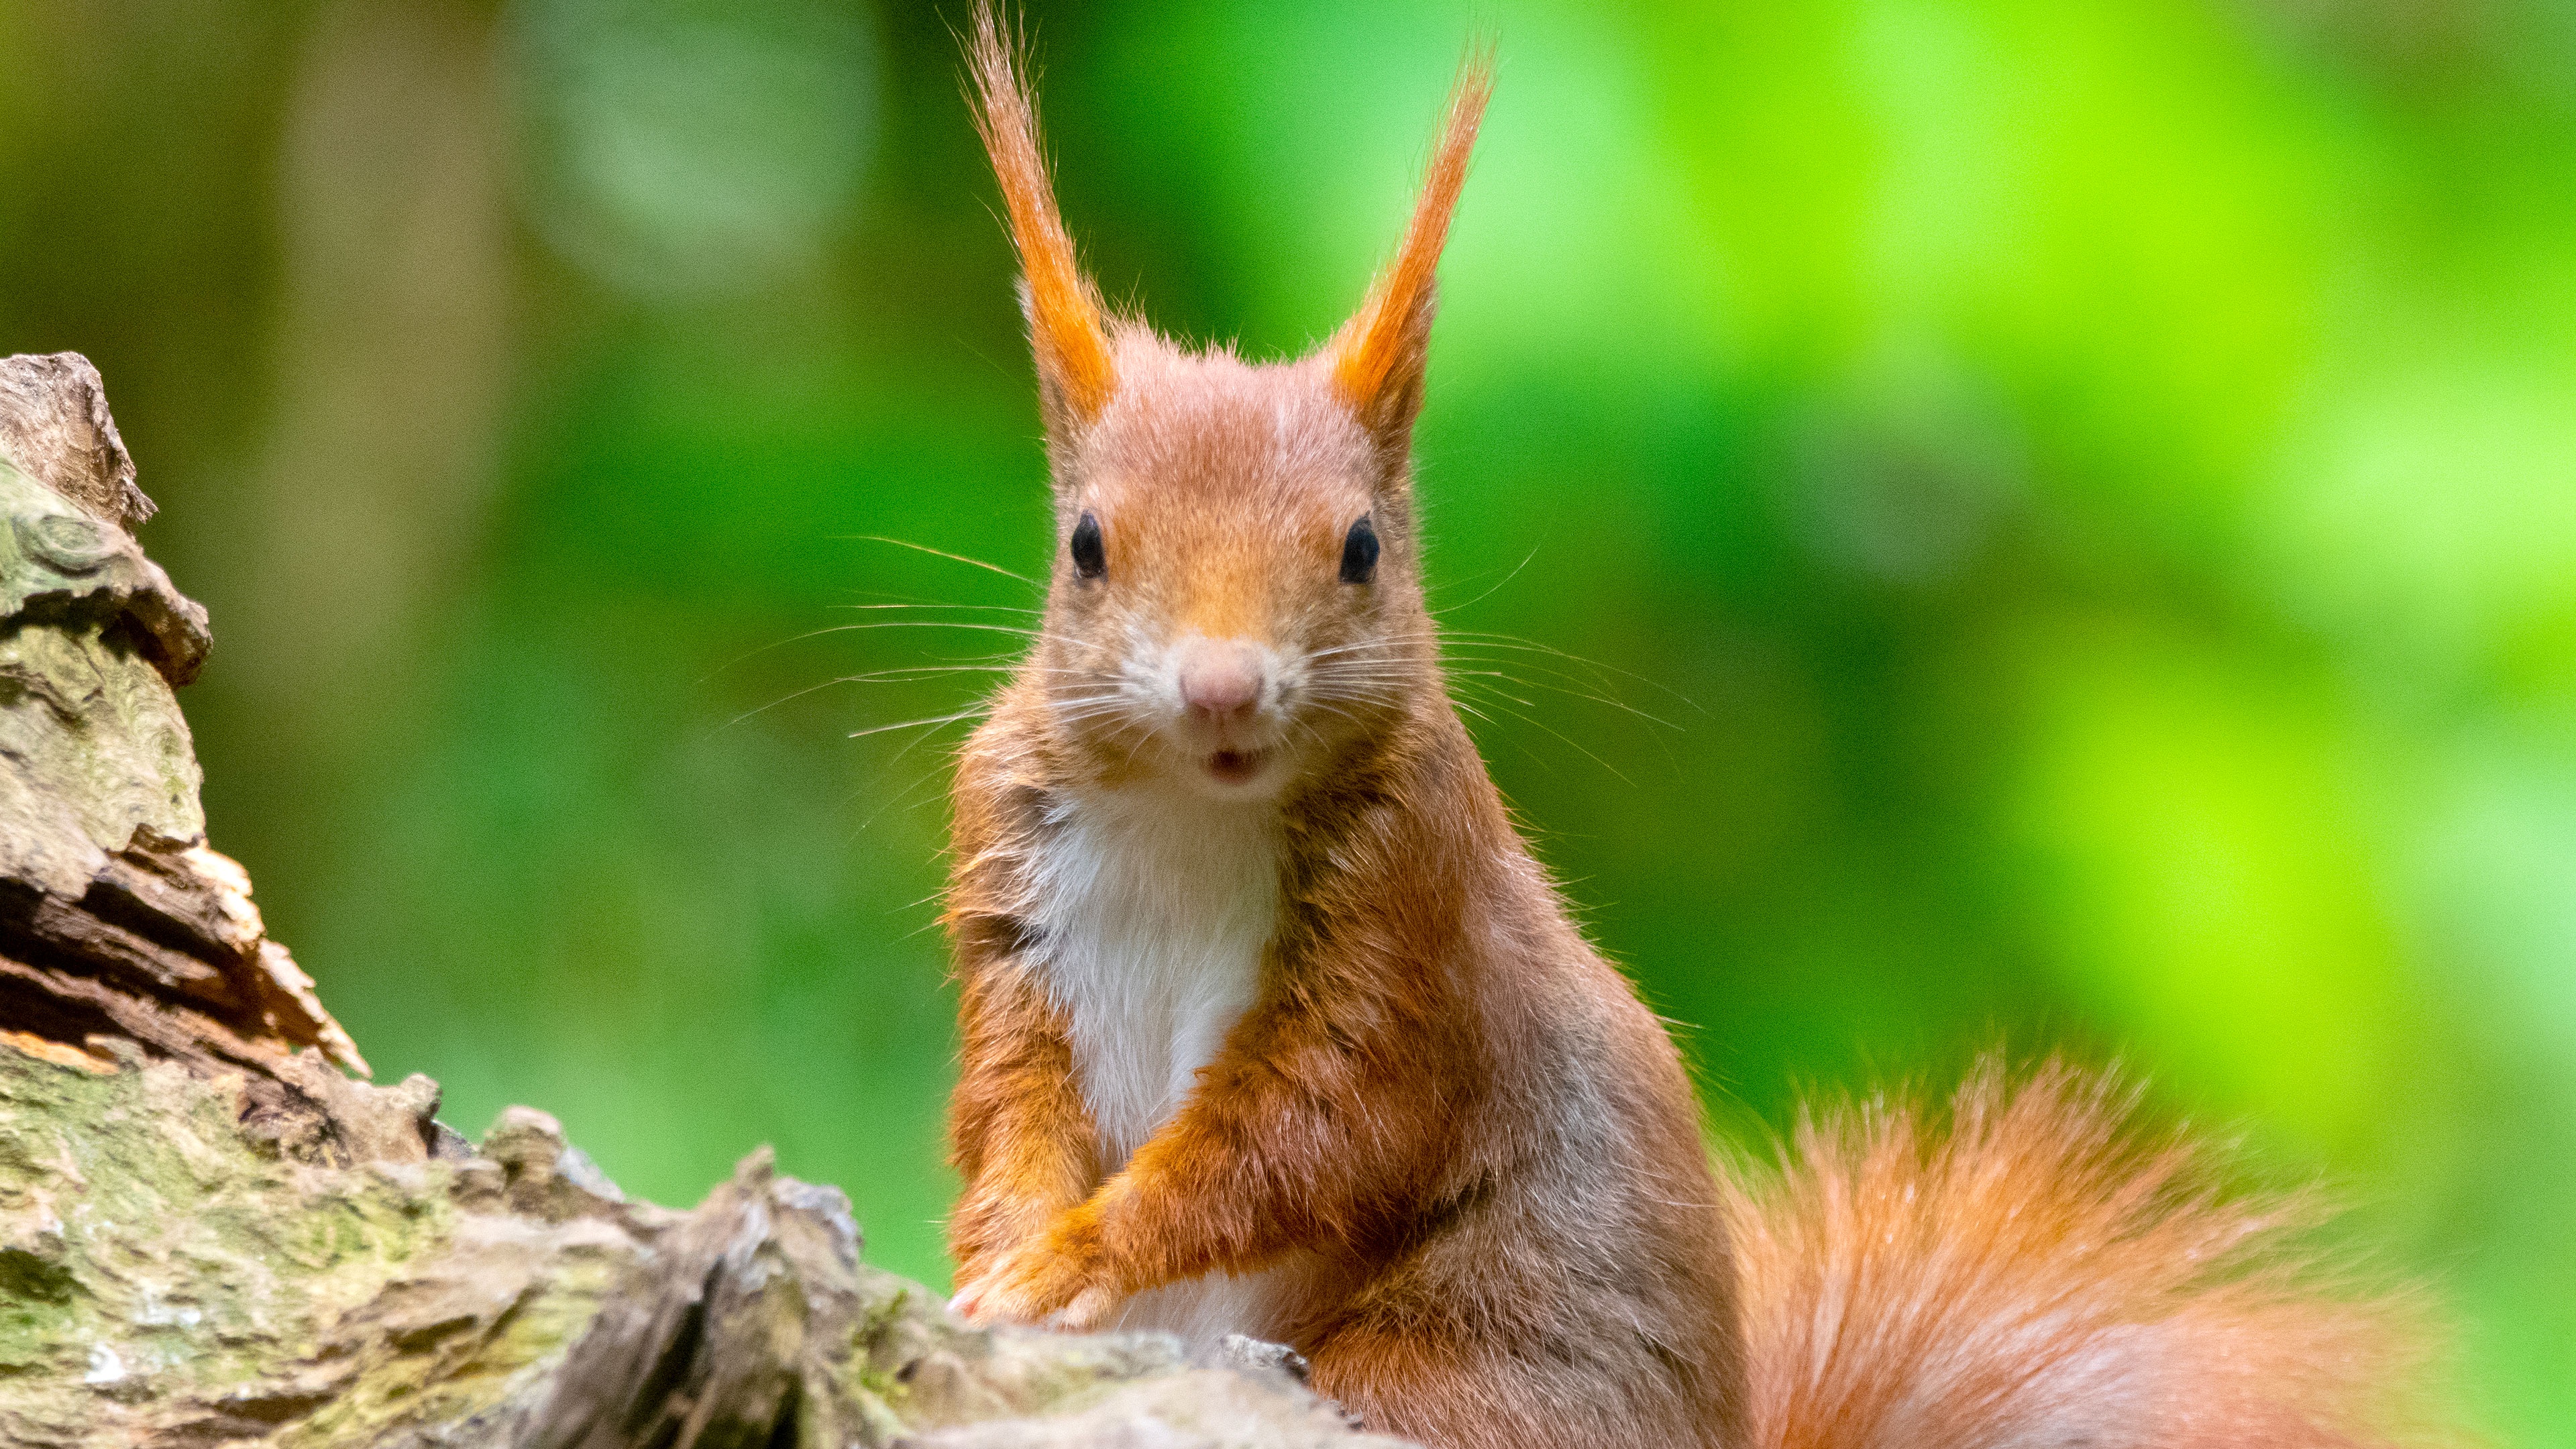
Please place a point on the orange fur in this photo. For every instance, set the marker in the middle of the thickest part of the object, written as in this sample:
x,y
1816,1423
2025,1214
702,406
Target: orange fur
x,y
2042,1273
1378,357
1020,1123
1268,1013
1063,307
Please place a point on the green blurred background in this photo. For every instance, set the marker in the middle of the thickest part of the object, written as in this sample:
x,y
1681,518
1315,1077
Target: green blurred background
x,y
2089,489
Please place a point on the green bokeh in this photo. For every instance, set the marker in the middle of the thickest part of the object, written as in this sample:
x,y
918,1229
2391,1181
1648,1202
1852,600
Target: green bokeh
x,y
2087,494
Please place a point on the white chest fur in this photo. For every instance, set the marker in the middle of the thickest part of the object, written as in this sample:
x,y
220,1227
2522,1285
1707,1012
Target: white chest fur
x,y
1156,910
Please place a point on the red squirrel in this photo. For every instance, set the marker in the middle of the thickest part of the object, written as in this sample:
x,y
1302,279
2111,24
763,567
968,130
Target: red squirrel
x,y
1272,1024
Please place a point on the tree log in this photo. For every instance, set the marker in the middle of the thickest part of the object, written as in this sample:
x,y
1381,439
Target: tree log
x,y
211,1234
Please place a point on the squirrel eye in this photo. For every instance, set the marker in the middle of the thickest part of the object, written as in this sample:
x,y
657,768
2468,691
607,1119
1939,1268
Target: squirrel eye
x,y
1359,553
1088,558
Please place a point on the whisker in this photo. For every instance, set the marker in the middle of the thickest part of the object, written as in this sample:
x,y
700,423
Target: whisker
x,y
1496,691
876,624
928,624
1536,723
922,671
933,552
1514,641
910,797
1600,699
1453,667
937,724
936,719
1504,736
1455,639
1496,589
931,604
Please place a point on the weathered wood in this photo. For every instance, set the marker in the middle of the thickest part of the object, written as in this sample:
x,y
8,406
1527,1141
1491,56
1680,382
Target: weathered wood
x,y
54,422
211,1235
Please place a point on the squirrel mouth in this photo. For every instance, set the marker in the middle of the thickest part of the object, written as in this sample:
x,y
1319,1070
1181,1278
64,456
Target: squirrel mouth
x,y
1235,767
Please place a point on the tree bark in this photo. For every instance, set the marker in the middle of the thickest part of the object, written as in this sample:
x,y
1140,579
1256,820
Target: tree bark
x,y
212,1233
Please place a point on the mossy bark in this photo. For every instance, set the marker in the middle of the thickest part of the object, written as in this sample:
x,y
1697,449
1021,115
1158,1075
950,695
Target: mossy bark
x,y
210,1234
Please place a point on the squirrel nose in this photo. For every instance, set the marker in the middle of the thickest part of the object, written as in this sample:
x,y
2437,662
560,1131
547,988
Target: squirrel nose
x,y
1220,678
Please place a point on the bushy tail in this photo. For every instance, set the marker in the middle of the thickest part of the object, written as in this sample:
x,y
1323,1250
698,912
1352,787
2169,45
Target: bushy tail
x,y
2038,1278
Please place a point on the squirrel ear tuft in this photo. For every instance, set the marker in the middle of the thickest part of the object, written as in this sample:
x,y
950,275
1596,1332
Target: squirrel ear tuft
x,y
1378,356
1075,374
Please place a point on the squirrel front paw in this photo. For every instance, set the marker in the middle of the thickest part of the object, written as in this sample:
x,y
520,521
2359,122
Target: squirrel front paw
x,y
1057,1280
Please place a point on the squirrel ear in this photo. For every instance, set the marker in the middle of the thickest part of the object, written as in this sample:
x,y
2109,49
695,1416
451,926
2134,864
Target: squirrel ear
x,y
1378,356
1075,374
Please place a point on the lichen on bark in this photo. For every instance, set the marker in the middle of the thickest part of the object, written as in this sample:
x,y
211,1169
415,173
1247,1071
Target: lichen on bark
x,y
158,1261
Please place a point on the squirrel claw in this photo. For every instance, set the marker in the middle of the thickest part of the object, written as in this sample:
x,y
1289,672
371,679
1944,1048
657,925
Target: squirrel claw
x,y
1088,1310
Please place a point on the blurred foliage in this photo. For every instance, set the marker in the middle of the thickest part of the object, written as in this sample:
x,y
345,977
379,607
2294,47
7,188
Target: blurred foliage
x,y
2083,491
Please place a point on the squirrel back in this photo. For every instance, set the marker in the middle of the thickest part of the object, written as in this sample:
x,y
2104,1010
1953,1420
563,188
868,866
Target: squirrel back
x,y
1271,1024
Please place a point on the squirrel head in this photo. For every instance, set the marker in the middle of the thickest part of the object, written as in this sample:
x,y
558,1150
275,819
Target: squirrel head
x,y
1235,600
